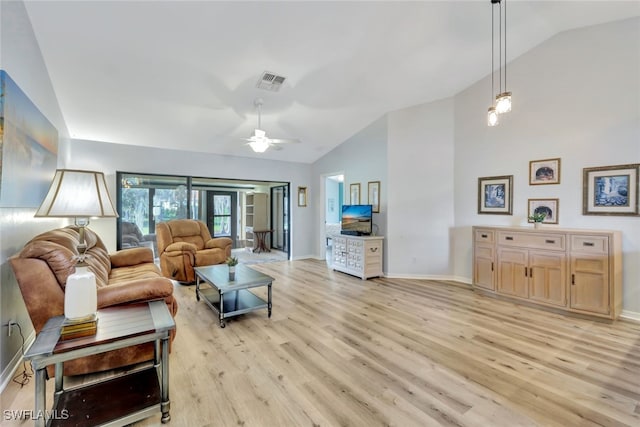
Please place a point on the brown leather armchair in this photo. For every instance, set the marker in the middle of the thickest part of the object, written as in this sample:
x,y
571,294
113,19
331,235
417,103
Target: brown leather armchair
x,y
132,237
128,276
186,243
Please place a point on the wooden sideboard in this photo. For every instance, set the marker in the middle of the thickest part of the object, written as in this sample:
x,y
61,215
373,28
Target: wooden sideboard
x,y
577,271
357,255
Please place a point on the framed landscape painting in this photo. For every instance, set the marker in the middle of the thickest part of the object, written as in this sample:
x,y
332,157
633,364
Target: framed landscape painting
x,y
610,190
548,207
373,190
544,172
495,195
28,148
354,190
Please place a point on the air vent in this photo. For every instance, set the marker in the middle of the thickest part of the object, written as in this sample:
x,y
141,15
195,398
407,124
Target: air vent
x,y
270,81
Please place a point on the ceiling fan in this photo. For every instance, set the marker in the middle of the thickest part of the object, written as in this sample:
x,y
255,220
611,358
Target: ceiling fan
x,y
259,142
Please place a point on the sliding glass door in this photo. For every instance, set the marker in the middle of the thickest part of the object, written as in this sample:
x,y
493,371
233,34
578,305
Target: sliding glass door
x,y
222,218
143,200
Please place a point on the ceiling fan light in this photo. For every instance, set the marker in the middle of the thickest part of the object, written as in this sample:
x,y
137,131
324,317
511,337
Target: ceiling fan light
x,y
503,102
492,116
259,145
259,133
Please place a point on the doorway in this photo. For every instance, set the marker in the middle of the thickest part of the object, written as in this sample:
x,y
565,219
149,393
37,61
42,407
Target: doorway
x,y
143,200
222,214
280,217
333,201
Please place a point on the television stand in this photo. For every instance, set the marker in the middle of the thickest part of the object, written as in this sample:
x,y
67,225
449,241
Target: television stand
x,y
359,256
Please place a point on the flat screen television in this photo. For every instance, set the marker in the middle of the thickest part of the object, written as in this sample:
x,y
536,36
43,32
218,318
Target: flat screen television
x,y
357,219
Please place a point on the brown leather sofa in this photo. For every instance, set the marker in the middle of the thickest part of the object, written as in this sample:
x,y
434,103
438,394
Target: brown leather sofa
x,y
43,265
186,243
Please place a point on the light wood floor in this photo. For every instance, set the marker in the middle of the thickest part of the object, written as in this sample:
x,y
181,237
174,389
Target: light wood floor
x,y
339,351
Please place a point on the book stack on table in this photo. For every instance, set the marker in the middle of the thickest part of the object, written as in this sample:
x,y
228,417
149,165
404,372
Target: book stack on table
x,y
76,328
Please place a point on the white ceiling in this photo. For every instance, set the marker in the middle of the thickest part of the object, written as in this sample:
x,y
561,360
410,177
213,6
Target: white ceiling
x,y
183,74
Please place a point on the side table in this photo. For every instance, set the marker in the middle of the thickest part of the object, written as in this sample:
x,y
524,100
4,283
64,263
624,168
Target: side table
x,y
261,239
116,401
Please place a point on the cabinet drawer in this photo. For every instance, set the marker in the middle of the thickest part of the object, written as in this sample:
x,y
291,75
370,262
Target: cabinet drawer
x,y
590,244
532,240
373,248
486,236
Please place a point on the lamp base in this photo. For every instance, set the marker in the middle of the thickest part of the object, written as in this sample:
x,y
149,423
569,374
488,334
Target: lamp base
x,y
80,294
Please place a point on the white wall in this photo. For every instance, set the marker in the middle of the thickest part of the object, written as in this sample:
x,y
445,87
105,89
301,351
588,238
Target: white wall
x,y
420,187
22,60
110,158
361,158
576,97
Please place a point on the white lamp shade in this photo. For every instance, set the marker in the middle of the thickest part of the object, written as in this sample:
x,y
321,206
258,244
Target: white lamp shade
x,y
77,193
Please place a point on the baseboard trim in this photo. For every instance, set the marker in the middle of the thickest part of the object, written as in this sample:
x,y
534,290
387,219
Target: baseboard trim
x,y
8,373
634,316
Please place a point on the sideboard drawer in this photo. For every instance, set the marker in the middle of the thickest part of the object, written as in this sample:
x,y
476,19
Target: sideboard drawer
x,y
486,236
590,244
532,240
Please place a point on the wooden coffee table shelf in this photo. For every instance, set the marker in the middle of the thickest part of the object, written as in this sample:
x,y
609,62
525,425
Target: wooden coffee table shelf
x,y
117,401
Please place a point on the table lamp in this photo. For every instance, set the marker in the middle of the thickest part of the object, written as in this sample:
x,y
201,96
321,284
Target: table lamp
x,y
81,195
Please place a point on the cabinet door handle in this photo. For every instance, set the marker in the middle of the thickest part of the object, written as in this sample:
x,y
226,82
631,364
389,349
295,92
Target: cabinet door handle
x,y
492,266
573,279
587,244
508,238
550,241
525,272
373,249
484,236
531,272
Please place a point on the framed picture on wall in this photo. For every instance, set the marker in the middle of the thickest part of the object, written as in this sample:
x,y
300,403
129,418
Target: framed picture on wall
x,y
495,195
548,207
543,172
610,190
302,196
354,190
373,199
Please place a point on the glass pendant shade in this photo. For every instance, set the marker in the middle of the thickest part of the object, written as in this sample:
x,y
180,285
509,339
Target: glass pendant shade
x,y
503,102
492,116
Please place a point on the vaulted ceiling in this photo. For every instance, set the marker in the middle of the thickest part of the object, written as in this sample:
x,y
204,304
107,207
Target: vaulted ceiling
x,y
182,74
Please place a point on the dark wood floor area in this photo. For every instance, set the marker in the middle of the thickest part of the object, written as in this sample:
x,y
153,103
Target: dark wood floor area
x,y
339,351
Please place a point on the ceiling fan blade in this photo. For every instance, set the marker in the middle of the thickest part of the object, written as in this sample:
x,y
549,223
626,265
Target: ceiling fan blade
x,y
284,141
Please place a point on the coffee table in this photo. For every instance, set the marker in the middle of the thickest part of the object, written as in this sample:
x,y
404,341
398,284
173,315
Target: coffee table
x,y
117,401
232,298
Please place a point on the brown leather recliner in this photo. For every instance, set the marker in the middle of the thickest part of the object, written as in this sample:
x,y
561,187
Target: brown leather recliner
x,y
186,243
43,265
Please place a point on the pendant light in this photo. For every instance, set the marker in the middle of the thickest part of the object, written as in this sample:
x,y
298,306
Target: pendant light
x,y
503,99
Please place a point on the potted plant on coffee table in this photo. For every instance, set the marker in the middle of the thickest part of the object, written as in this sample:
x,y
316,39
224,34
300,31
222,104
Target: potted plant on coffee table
x,y
232,262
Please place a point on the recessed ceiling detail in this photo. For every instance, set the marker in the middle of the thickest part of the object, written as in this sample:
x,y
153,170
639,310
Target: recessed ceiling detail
x,y
270,81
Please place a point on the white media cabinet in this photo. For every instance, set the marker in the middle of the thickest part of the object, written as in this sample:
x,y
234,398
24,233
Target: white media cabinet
x,y
359,256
